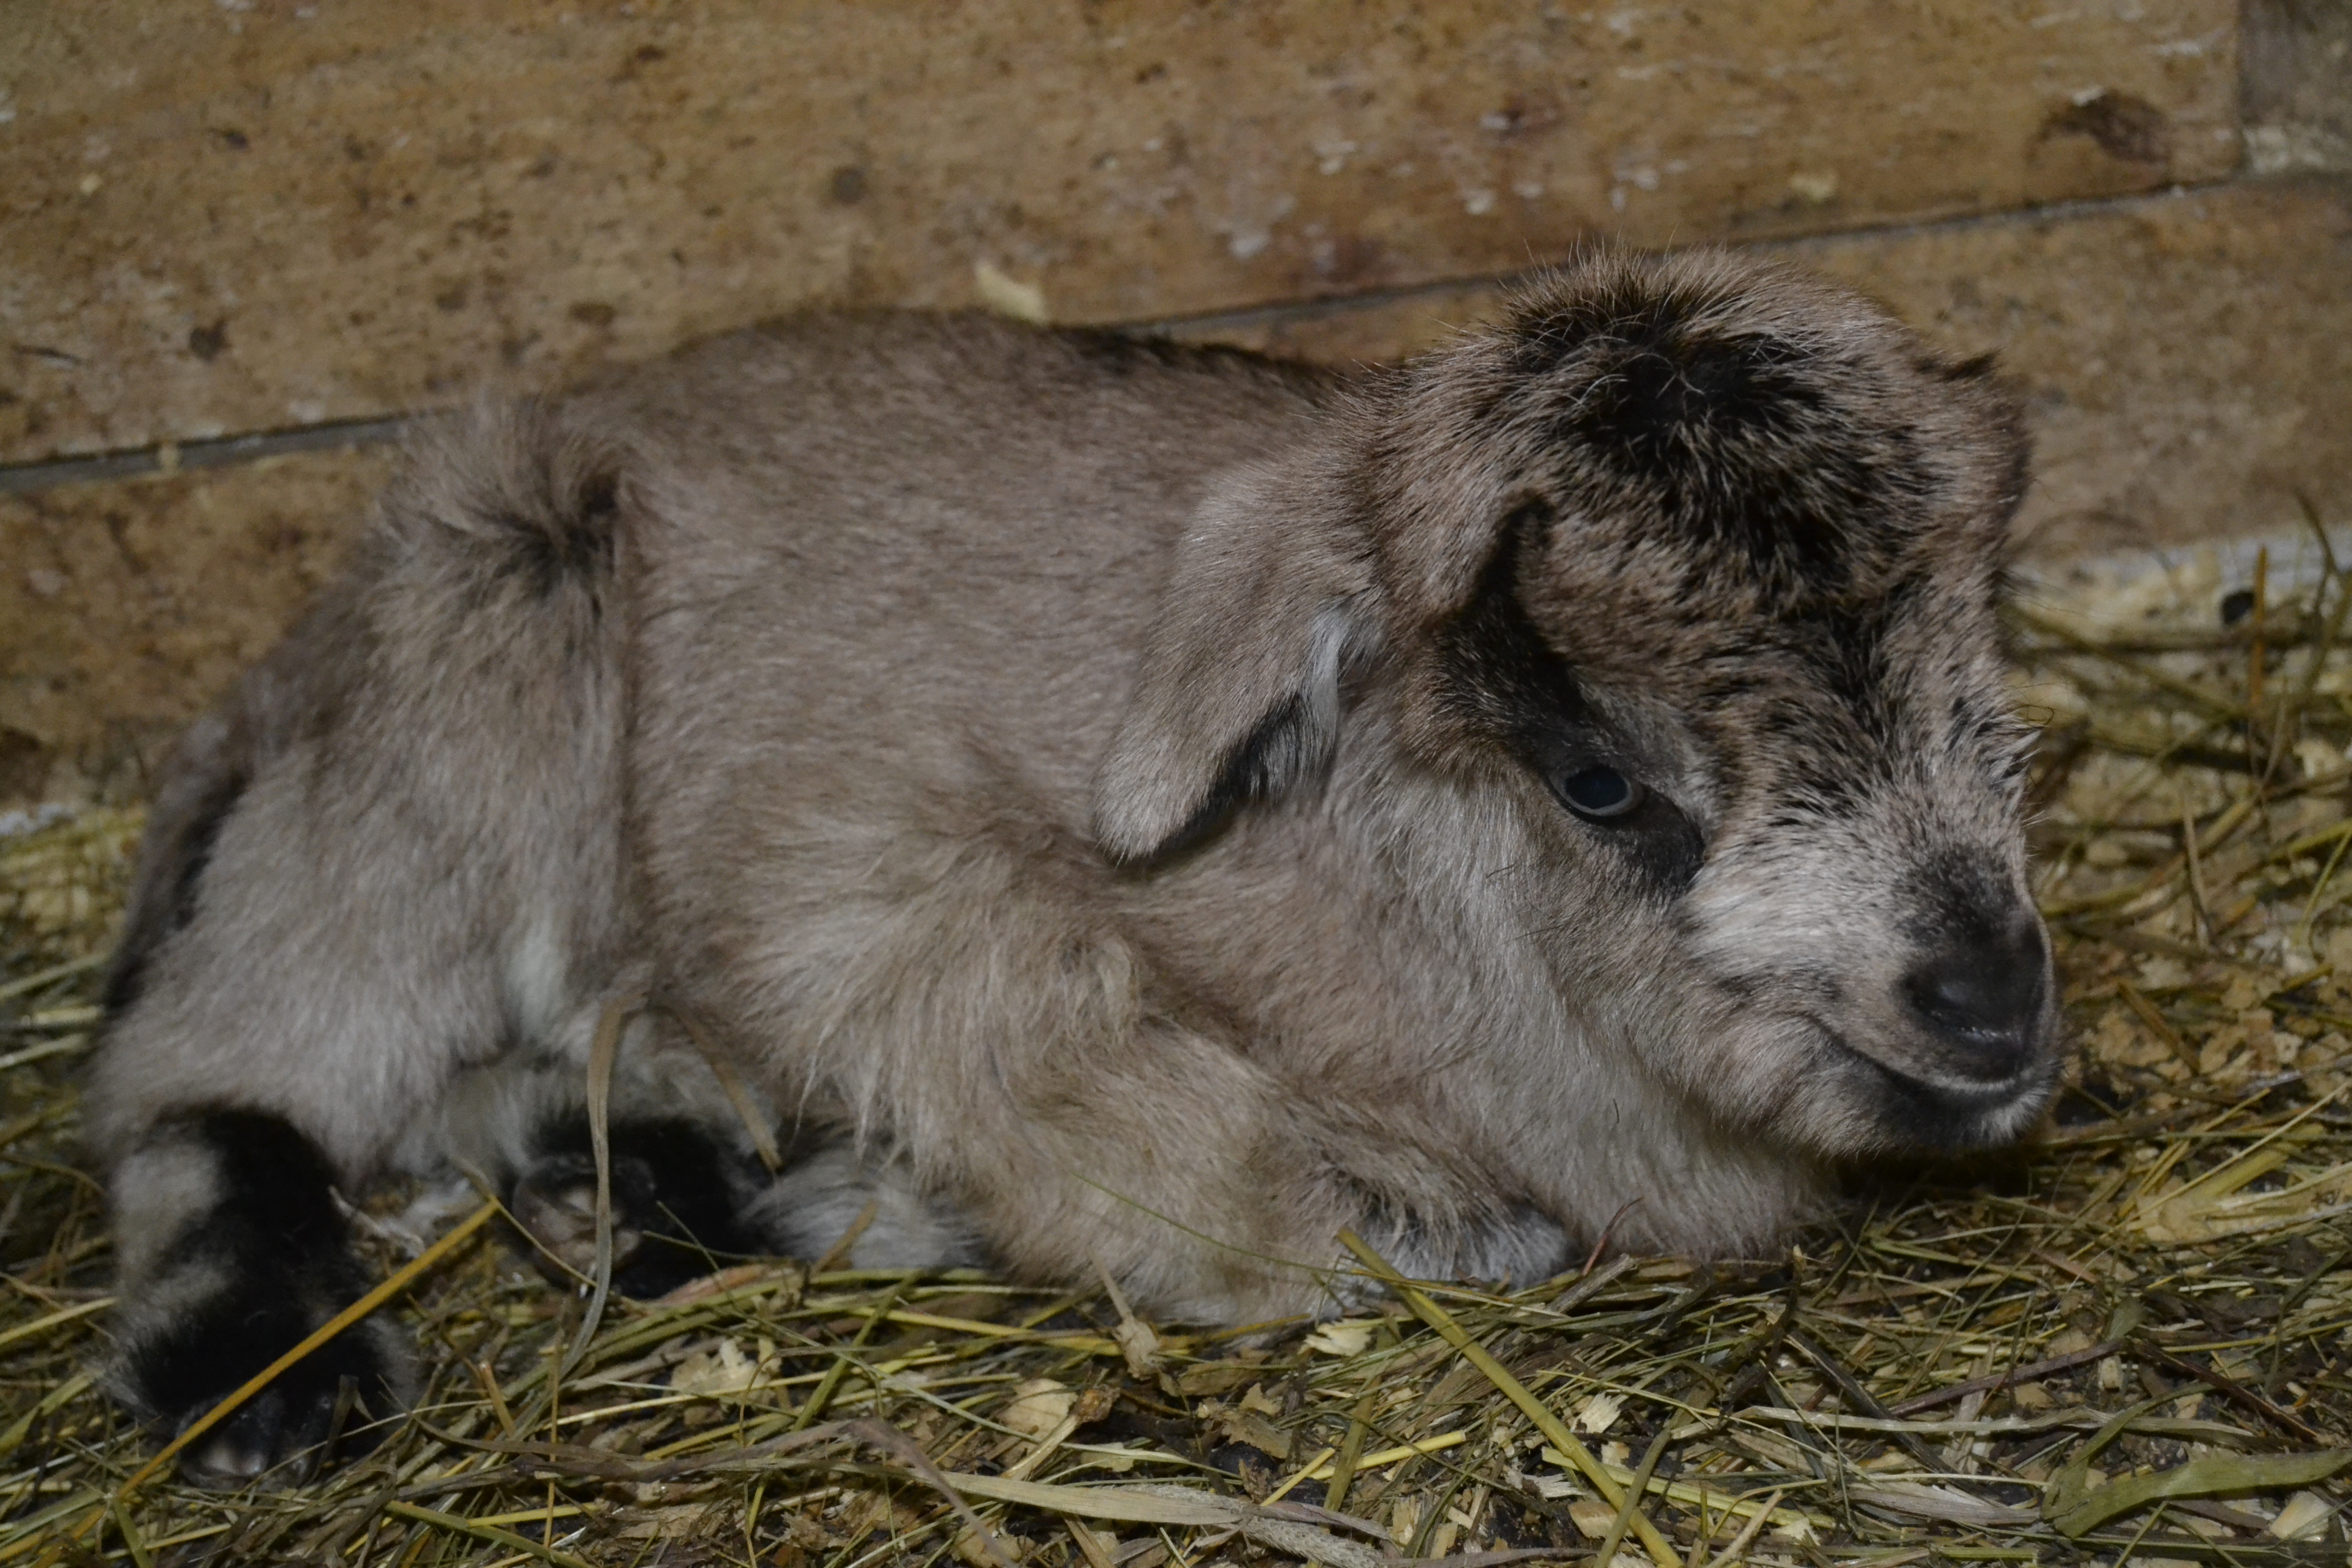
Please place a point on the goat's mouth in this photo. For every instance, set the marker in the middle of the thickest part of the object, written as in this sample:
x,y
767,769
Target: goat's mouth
x,y
1910,1109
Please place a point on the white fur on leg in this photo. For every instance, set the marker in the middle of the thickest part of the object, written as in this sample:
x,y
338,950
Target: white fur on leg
x,y
812,1205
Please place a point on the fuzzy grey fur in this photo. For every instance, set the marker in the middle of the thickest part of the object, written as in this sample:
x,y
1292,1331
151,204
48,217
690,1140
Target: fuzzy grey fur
x,y
1108,794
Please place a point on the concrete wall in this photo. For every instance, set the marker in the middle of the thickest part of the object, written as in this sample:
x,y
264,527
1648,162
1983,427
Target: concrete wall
x,y
240,227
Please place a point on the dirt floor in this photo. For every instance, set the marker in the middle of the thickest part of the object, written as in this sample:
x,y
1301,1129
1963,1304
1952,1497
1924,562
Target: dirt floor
x,y
2128,1338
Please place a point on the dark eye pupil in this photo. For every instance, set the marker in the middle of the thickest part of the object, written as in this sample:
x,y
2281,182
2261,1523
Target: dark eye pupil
x,y
1598,792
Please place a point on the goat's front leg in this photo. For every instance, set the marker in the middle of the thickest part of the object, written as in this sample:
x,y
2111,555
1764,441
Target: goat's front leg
x,y
1209,1188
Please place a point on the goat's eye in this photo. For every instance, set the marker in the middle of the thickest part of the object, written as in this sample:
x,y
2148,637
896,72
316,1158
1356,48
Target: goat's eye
x,y
1599,794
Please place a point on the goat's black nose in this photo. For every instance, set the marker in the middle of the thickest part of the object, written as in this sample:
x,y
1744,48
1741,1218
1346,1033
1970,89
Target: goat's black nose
x,y
1987,998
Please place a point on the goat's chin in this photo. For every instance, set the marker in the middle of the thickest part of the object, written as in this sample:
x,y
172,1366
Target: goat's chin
x,y
1889,1110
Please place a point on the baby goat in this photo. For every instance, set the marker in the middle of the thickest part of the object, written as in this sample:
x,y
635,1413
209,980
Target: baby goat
x,y
1104,800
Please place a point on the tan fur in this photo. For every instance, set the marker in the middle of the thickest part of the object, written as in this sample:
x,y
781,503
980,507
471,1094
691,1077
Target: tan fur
x,y
872,687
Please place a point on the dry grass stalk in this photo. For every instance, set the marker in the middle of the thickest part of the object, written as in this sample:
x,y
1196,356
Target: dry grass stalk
x,y
2132,1335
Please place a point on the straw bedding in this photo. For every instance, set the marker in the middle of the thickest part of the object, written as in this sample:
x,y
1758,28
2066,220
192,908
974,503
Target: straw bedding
x,y
2129,1338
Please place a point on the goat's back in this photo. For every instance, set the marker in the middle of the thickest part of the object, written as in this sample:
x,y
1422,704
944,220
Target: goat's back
x,y
908,551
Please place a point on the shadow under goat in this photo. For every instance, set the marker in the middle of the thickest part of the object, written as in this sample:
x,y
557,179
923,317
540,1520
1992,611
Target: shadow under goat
x,y
1107,800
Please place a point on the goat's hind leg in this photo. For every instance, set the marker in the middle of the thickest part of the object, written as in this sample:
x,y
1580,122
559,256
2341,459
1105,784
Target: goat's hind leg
x,y
230,1105
393,852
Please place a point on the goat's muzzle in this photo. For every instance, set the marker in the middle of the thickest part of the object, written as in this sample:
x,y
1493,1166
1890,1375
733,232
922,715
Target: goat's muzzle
x,y
1986,1003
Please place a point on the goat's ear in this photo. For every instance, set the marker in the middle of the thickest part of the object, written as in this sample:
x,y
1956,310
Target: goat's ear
x,y
1237,696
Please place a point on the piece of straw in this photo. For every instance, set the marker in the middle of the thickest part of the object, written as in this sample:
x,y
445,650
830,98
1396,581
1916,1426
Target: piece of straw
x,y
1555,1431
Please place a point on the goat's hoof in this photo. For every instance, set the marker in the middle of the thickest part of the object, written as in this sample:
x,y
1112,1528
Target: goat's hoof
x,y
327,1399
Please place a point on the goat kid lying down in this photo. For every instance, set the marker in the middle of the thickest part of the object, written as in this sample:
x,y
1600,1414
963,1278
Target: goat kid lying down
x,y
1107,800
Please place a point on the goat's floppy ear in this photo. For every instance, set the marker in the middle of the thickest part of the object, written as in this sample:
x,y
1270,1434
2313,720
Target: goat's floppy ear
x,y
1237,696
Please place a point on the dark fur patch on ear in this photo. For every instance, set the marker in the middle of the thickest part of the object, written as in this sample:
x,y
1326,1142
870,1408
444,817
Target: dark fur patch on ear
x,y
1268,758
1501,669
149,928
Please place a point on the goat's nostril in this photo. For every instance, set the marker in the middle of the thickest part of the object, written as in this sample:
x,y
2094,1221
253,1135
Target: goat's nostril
x,y
1988,998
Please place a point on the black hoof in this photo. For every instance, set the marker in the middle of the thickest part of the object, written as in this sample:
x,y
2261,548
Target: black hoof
x,y
331,1401
679,1200
245,1281
555,1203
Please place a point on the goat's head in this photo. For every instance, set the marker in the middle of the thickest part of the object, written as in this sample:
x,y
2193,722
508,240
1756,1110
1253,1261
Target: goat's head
x,y
1693,565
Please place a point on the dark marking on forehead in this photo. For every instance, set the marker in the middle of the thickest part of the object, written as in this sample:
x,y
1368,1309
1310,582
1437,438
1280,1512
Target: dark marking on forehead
x,y
1662,398
1818,699
1782,459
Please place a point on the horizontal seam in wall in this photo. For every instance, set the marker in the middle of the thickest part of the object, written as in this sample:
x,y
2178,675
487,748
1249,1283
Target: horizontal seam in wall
x,y
170,457
2047,212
